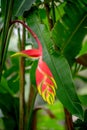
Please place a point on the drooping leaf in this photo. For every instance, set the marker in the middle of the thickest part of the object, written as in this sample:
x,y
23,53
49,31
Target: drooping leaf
x,y
59,67
70,30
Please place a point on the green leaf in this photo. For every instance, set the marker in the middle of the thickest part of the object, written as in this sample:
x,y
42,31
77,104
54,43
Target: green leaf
x,y
16,109
84,47
83,99
70,30
53,117
9,106
82,56
32,72
2,126
4,88
20,6
59,67
6,103
3,6
0,3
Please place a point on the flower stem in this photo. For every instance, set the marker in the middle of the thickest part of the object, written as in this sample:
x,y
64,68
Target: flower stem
x,y
29,108
22,82
32,33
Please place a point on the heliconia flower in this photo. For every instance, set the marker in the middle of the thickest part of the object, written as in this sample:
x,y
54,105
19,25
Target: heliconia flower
x,y
45,82
44,79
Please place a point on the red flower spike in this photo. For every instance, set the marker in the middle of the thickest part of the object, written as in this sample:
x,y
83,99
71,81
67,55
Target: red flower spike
x,y
45,82
44,79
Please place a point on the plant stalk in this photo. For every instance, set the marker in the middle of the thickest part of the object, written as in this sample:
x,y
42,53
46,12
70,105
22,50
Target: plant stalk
x,y
68,120
22,82
29,108
3,46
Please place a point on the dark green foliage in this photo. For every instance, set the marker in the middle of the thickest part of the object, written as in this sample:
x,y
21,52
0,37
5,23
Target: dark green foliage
x,y
18,6
69,32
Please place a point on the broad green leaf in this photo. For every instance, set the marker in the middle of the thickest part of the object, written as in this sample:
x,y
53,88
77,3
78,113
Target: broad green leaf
x,y
20,6
70,30
59,67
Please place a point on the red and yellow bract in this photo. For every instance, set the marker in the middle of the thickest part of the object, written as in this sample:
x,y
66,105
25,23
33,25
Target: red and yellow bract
x,y
44,79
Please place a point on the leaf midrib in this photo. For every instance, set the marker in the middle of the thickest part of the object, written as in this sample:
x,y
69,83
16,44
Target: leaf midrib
x,y
20,7
73,32
56,71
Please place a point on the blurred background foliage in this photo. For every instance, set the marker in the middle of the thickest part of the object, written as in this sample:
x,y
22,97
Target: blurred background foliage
x,y
61,26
